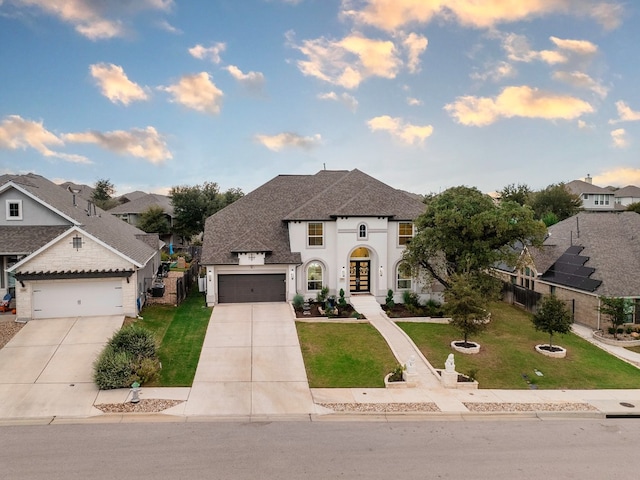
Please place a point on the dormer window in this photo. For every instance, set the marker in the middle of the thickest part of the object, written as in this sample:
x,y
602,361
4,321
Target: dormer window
x,y
14,209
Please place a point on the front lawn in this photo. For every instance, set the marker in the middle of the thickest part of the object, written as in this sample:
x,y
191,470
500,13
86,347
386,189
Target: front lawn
x,y
344,355
507,352
180,333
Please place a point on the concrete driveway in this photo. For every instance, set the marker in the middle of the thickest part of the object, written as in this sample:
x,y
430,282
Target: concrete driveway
x,y
47,368
251,364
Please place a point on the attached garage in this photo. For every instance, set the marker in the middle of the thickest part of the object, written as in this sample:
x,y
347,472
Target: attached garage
x,y
251,288
70,298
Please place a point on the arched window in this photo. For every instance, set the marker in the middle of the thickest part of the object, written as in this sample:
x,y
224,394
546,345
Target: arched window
x,y
362,231
314,276
403,277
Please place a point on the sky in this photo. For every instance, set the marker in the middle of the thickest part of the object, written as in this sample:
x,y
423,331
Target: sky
x,y
420,94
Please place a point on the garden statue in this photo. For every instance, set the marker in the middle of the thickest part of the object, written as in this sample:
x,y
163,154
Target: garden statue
x,y
450,365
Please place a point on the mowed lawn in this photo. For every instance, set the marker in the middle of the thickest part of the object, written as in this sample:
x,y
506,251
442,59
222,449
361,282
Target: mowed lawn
x,y
507,352
344,355
180,333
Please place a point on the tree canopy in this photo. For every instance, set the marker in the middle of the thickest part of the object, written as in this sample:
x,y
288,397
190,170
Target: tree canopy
x,y
552,316
154,220
193,204
614,308
463,231
520,193
466,305
555,199
634,207
103,191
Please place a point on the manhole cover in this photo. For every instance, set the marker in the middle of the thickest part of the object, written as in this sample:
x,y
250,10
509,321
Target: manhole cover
x,y
628,405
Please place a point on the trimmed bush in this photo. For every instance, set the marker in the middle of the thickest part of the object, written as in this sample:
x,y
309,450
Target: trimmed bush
x,y
135,340
113,369
410,299
298,302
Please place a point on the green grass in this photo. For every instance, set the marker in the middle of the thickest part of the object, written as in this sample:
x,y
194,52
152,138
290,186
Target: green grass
x,y
507,351
180,333
342,355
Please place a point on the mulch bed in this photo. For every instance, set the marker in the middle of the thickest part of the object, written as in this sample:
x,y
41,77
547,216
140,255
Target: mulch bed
x,y
314,311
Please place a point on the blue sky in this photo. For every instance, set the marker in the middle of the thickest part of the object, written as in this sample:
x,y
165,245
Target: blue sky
x,y
421,94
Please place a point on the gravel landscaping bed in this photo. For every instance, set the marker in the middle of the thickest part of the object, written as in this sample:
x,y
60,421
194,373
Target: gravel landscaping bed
x,y
381,407
530,407
8,328
144,406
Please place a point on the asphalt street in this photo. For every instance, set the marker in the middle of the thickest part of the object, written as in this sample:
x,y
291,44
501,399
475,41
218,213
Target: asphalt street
x,y
508,449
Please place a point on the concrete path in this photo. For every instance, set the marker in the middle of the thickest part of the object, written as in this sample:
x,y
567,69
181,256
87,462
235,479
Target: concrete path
x,y
46,369
251,364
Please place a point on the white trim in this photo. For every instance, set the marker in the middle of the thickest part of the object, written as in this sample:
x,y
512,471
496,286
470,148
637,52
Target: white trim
x,y
40,201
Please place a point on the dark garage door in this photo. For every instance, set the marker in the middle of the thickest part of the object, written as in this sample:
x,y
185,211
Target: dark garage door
x,y
251,288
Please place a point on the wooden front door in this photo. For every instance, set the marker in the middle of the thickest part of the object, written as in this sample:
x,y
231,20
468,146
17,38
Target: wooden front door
x,y
359,274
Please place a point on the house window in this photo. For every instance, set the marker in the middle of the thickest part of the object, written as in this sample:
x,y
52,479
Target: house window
x,y
552,289
585,196
362,231
77,242
314,276
403,277
315,234
14,209
405,232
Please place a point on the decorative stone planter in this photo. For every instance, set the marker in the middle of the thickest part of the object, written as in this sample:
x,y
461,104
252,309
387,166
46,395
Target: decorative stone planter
x,y
558,352
473,349
388,384
618,343
456,380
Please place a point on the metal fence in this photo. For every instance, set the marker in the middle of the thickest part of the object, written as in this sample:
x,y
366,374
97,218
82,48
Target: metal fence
x,y
523,297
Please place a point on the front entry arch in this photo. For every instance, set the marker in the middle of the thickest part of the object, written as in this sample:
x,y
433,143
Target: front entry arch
x,y
360,271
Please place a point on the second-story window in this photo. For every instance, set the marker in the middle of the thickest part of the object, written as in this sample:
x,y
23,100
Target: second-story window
x,y
315,234
362,231
405,232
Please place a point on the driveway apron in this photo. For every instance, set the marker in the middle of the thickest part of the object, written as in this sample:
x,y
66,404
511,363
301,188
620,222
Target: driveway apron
x,y
251,364
47,368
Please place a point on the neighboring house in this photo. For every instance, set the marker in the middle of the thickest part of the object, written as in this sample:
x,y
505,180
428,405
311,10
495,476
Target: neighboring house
x,y
131,209
626,196
298,233
593,198
585,257
61,256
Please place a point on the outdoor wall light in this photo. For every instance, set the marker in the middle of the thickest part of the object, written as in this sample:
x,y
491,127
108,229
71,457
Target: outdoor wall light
x,y
210,276
293,275
381,271
343,272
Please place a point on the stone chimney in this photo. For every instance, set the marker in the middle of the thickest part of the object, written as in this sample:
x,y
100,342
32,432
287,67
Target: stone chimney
x,y
588,179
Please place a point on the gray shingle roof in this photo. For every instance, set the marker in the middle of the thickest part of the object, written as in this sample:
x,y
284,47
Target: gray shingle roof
x,y
112,231
580,187
260,217
611,241
628,191
26,240
142,203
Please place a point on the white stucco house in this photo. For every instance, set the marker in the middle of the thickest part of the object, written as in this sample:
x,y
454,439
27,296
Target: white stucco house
x,y
298,233
60,256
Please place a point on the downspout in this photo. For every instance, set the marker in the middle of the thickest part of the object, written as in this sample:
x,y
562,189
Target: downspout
x,y
599,304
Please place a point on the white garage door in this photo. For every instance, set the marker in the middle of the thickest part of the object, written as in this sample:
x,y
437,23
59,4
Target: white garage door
x,y
77,298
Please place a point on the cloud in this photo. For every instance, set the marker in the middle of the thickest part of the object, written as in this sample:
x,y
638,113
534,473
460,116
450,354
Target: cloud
x,y
142,143
495,72
349,61
344,98
167,27
518,50
95,19
625,114
197,92
208,53
581,80
253,81
394,15
414,102
288,139
415,45
619,138
16,132
522,101
115,85
579,47
403,131
619,176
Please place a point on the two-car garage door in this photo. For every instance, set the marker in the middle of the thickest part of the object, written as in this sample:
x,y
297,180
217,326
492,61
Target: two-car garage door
x,y
77,298
251,288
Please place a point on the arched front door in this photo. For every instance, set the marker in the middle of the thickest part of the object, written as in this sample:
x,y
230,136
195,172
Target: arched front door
x,y
359,270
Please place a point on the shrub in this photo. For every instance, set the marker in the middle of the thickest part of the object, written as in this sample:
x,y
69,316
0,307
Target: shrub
x,y
342,302
628,330
113,369
396,373
433,308
137,341
321,297
146,370
389,300
298,301
410,298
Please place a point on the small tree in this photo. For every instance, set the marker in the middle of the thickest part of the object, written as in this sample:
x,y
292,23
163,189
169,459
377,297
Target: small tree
x,y
154,220
466,306
552,316
103,191
613,308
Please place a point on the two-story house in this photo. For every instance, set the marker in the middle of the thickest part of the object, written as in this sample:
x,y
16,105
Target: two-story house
x,y
61,256
593,198
299,233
